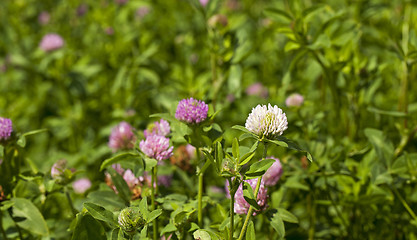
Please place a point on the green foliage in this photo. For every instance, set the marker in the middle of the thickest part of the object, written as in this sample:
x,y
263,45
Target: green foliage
x,y
348,156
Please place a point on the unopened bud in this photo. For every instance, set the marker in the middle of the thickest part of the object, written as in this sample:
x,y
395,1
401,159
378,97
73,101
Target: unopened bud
x,y
218,19
130,219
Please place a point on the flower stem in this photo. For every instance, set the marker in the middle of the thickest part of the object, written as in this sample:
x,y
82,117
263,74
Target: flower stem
x,y
404,85
404,203
312,210
200,190
338,213
232,205
154,190
250,211
74,212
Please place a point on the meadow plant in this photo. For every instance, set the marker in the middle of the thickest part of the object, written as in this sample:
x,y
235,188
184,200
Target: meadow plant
x,y
191,111
58,169
257,89
122,137
203,148
267,121
273,174
156,147
81,185
204,2
142,11
6,128
44,18
294,100
51,42
160,128
241,206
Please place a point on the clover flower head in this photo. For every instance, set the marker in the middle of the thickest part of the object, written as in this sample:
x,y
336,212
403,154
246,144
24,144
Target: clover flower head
x,y
217,20
241,206
130,178
191,151
191,111
122,137
182,157
81,185
294,100
82,9
268,122
44,18
6,128
257,89
121,2
165,180
142,11
204,2
160,128
156,147
130,219
109,30
58,169
51,41
273,174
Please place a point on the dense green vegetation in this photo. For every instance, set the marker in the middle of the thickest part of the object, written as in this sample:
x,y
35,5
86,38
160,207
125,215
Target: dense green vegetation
x,y
352,61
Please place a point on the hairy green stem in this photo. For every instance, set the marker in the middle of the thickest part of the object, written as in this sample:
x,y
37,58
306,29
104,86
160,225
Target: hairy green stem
x,y
250,211
70,203
338,213
200,190
232,205
404,203
404,141
403,99
154,190
312,210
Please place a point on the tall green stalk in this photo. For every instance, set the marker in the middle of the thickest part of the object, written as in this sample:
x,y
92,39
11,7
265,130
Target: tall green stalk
x,y
404,203
232,205
200,190
250,211
403,95
70,203
338,213
312,210
154,190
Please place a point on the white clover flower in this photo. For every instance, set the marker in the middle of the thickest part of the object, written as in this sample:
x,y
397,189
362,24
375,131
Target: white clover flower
x,y
268,122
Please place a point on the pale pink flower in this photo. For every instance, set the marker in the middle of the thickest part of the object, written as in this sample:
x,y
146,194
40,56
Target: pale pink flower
x,y
160,128
81,185
122,137
257,89
273,174
157,147
130,178
141,12
294,100
44,18
51,41
204,2
240,205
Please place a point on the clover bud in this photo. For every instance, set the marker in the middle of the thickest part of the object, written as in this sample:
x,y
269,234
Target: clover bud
x,y
130,219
